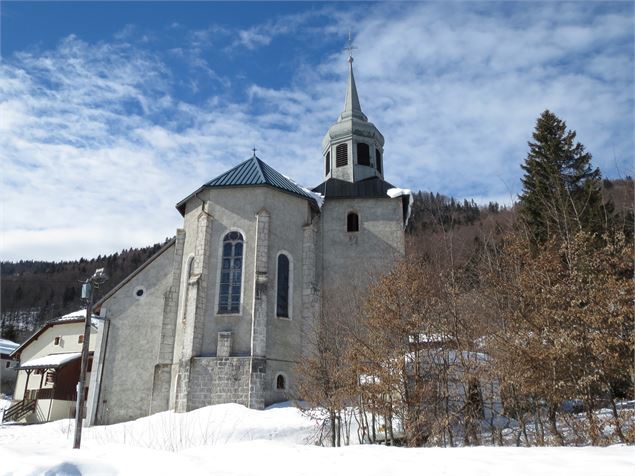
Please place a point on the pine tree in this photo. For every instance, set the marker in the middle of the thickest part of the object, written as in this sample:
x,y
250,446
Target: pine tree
x,y
561,191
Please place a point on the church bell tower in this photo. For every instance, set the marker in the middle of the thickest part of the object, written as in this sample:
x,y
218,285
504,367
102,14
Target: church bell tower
x,y
353,148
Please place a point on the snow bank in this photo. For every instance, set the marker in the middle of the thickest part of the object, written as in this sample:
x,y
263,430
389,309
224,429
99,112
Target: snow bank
x,y
210,426
232,440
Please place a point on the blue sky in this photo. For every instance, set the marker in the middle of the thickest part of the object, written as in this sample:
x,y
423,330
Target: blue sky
x,y
112,112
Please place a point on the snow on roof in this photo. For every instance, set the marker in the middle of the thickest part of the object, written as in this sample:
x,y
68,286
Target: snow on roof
x,y
7,346
50,361
400,192
318,197
73,315
80,314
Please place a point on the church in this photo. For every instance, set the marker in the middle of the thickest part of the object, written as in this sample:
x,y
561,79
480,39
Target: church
x,y
221,312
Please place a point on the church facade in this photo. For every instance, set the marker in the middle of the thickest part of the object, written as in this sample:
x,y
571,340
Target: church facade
x,y
222,312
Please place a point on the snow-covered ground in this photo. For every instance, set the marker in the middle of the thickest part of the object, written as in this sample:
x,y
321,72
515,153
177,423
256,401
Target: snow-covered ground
x,y
232,440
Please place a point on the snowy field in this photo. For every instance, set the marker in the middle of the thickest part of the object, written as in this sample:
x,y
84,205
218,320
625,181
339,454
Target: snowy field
x,y
232,440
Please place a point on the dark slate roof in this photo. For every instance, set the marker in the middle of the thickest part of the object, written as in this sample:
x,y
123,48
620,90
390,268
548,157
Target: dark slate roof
x,y
254,171
373,187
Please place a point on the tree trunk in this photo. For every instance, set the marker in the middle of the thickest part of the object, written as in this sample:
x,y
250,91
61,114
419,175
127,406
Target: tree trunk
x,y
332,415
616,418
553,425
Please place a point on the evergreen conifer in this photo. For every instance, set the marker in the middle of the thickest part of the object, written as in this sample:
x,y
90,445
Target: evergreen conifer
x,y
561,191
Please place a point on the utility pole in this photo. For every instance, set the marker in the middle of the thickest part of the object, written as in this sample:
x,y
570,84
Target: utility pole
x,y
87,293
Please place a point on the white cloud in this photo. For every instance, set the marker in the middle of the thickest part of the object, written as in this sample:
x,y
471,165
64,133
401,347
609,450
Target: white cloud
x,y
96,149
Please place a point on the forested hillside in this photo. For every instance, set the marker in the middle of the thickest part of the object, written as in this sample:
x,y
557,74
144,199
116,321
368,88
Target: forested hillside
x,y
34,292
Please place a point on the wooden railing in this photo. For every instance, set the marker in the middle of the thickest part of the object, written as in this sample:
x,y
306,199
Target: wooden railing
x,y
19,410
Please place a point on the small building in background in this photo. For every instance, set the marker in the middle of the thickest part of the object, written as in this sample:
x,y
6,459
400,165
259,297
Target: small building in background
x,y
8,372
47,376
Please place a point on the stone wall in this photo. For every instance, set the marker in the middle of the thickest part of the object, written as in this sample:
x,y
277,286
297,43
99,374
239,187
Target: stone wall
x,y
215,380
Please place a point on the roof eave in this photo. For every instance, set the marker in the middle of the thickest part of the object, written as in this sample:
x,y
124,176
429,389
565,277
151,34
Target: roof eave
x,y
40,331
181,205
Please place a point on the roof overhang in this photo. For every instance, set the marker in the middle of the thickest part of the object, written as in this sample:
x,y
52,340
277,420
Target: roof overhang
x,y
51,361
181,205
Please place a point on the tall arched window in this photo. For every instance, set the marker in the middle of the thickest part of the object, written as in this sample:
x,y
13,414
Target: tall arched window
x,y
281,383
352,222
378,159
231,273
282,289
328,163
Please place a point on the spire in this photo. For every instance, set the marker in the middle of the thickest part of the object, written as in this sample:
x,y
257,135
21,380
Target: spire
x,y
351,103
352,148
352,100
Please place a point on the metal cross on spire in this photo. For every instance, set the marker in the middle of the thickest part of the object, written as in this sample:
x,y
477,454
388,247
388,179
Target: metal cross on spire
x,y
254,149
350,47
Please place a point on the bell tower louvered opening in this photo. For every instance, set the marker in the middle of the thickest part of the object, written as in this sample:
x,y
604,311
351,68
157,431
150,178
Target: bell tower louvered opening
x,y
378,159
341,155
327,165
363,154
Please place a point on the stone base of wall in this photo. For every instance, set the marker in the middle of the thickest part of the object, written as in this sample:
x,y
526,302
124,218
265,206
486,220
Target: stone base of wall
x,y
215,380
257,383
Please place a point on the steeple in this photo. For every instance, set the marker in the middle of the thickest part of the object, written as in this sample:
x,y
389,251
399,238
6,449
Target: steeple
x,y
352,148
352,107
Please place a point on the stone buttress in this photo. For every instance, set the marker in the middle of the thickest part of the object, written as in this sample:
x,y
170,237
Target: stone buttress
x,y
195,307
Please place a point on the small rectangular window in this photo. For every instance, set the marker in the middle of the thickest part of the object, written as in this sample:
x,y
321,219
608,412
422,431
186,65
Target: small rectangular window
x,y
328,162
352,222
80,339
8,364
50,377
341,155
57,340
363,154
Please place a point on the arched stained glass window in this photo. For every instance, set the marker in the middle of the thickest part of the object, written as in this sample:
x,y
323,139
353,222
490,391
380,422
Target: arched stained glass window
x,y
282,298
231,274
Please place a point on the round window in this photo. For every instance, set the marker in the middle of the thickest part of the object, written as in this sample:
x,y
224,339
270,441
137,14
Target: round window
x,y
139,292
